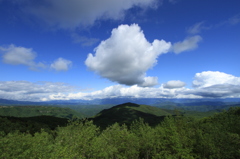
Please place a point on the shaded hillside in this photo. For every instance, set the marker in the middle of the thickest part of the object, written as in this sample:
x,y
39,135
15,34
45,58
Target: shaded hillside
x,y
30,124
128,112
29,111
87,110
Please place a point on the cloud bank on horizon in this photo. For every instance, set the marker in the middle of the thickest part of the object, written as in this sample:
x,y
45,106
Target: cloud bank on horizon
x,y
205,84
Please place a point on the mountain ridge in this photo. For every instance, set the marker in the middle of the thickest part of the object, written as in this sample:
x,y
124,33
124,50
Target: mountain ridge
x,y
127,113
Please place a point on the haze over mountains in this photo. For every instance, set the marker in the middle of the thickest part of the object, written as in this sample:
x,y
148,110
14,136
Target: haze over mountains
x,y
120,100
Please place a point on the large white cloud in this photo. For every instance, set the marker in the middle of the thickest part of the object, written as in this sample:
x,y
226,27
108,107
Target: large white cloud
x,y
20,56
61,64
190,43
126,56
73,13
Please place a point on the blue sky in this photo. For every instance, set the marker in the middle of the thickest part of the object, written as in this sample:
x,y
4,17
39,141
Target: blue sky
x,y
76,49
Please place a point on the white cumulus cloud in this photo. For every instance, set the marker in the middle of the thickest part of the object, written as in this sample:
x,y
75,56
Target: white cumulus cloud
x,y
190,43
126,56
61,64
174,84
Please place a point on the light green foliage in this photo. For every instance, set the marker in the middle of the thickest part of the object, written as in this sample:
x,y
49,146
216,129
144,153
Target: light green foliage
x,y
75,140
22,146
121,142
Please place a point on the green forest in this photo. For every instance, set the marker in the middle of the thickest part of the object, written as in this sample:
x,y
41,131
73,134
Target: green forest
x,y
175,136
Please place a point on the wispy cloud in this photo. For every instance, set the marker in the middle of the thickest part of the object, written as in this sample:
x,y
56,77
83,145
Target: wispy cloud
x,y
197,28
190,43
200,26
234,20
83,40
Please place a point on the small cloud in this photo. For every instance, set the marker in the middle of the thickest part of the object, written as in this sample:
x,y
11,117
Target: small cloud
x,y
61,64
14,55
187,44
126,56
174,84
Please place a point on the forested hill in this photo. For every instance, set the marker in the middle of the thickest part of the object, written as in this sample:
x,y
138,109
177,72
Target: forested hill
x,y
128,112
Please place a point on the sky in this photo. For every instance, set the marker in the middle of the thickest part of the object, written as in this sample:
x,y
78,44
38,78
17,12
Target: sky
x,y
77,49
